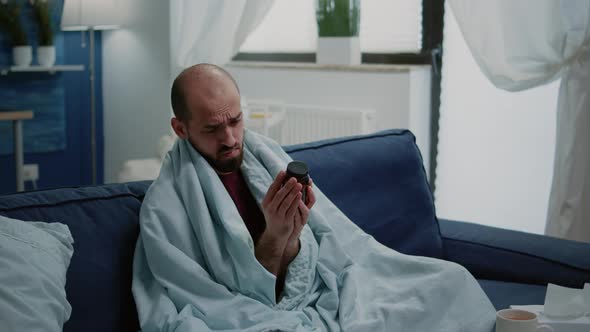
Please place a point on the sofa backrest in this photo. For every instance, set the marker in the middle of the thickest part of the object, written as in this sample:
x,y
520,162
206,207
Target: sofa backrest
x,y
104,223
379,182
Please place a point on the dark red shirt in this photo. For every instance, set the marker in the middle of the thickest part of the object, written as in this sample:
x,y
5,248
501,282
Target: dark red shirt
x,y
245,202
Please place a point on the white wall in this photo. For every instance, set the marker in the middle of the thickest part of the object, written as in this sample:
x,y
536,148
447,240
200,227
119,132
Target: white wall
x,y
400,95
496,148
136,87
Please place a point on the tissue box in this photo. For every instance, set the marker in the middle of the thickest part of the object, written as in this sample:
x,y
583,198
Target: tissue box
x,y
580,324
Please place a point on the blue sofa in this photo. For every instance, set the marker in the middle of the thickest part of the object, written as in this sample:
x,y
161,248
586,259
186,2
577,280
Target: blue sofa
x,y
377,180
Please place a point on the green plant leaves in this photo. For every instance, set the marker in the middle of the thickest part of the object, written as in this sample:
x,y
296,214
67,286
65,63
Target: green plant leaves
x,y
10,20
43,18
338,18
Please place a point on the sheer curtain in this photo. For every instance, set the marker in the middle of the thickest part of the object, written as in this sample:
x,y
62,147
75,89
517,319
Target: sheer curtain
x,y
211,30
522,44
495,147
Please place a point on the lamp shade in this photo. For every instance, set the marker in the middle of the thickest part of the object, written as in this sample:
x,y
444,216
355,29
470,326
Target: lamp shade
x,y
85,14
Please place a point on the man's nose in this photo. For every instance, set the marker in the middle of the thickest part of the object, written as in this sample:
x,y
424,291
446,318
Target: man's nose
x,y
227,137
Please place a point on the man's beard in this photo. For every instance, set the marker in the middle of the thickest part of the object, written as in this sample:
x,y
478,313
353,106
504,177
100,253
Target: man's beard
x,y
226,165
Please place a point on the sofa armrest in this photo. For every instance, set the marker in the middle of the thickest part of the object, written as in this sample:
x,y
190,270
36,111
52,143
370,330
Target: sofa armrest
x,y
506,255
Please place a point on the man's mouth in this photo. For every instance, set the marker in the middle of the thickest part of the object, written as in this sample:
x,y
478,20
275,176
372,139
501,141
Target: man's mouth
x,y
230,153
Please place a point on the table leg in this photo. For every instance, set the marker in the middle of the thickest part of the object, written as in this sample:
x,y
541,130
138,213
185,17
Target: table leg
x,y
18,154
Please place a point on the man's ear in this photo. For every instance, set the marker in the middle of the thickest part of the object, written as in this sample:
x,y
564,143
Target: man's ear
x,y
179,128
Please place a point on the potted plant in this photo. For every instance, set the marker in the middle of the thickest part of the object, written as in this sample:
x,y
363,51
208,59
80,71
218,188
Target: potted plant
x,y
338,31
45,49
10,20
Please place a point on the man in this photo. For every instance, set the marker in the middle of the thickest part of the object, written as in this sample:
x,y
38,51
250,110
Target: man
x,y
226,244
207,109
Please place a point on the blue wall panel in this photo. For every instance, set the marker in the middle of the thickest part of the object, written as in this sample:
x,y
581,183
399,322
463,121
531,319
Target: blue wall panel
x,y
69,165
42,93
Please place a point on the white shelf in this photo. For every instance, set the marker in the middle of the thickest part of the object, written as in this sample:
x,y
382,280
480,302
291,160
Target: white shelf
x,y
51,70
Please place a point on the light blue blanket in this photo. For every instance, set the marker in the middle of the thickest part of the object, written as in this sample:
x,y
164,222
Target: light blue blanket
x,y
195,269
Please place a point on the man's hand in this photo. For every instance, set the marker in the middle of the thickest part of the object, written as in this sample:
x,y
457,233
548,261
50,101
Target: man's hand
x,y
280,206
293,246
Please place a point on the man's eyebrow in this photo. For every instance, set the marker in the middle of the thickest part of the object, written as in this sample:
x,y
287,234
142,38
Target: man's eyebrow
x,y
217,125
213,126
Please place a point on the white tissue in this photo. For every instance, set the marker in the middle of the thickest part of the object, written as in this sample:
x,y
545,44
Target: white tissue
x,y
567,302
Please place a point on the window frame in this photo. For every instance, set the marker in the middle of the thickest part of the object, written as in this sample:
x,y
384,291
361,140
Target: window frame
x,y
432,16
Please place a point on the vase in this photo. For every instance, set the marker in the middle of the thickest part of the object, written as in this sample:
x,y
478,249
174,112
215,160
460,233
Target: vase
x,y
46,56
22,56
338,51
338,32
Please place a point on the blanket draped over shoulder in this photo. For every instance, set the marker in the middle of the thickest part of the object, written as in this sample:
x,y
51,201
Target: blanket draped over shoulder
x,y
195,269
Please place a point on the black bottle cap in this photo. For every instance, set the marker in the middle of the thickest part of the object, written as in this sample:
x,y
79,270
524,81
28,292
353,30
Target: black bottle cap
x,y
299,170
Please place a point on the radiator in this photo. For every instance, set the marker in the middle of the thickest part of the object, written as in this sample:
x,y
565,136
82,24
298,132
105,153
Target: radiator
x,y
293,124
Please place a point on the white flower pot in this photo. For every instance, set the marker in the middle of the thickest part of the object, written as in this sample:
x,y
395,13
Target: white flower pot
x,y
22,56
46,56
339,51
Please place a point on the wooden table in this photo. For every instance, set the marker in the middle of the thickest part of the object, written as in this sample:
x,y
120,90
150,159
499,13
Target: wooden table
x,y
16,117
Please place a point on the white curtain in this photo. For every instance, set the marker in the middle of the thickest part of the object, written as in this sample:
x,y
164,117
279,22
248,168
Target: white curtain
x,y
525,43
211,30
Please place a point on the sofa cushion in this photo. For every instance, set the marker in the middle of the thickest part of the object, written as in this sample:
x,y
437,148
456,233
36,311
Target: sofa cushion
x,y
379,182
104,224
504,294
466,243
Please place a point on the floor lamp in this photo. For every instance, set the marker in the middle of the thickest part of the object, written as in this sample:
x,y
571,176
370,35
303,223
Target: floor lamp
x,y
91,15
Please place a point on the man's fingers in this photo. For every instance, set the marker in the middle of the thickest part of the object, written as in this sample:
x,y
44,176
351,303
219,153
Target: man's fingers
x,y
290,187
293,207
274,188
287,202
303,212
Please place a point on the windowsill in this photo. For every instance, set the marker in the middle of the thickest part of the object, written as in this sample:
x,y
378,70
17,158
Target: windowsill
x,y
401,68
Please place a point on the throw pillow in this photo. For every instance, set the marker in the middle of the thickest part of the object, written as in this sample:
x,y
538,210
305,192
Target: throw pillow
x,y
34,258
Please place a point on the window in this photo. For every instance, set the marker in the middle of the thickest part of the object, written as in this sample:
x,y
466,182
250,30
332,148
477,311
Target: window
x,y
387,26
289,27
391,26
488,184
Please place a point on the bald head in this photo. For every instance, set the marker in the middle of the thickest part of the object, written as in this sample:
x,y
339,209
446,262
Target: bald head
x,y
206,102
201,82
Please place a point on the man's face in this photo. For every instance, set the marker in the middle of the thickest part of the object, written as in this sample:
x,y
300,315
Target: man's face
x,y
216,128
